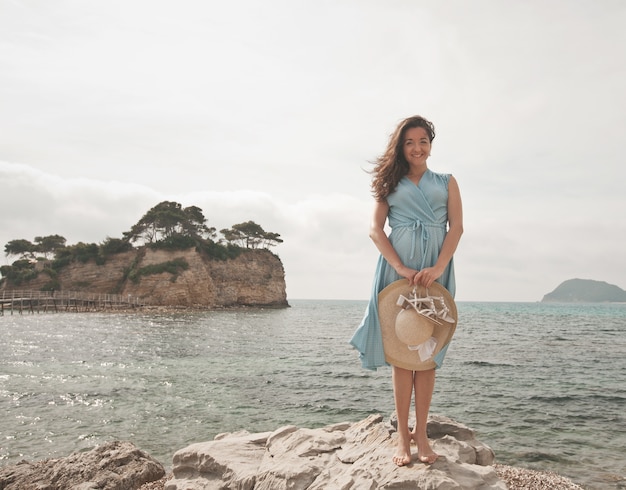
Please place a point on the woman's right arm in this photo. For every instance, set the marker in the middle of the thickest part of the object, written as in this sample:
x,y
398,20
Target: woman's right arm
x,y
384,246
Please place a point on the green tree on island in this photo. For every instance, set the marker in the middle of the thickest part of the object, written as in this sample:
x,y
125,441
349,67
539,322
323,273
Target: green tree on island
x,y
24,248
43,244
250,235
167,219
49,244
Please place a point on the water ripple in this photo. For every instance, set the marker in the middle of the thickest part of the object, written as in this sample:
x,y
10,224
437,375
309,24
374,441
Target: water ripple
x,y
543,385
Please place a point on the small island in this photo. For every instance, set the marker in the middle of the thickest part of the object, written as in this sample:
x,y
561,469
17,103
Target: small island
x,y
585,291
170,258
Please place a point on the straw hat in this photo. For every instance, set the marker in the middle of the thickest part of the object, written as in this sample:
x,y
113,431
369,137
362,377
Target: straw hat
x,y
403,329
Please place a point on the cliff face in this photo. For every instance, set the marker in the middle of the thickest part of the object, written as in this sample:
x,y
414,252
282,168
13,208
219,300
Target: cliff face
x,y
254,278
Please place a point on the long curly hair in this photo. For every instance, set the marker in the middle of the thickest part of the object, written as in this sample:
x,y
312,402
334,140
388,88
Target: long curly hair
x,y
391,166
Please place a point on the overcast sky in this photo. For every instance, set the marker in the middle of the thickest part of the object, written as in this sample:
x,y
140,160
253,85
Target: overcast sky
x,y
271,111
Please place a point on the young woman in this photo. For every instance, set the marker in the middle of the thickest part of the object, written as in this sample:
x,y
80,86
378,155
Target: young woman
x,y
425,215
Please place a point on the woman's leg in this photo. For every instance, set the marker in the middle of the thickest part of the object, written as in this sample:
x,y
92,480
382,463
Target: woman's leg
x,y
402,393
424,384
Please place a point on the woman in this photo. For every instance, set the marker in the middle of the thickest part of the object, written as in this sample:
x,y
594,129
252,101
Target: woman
x,y
426,219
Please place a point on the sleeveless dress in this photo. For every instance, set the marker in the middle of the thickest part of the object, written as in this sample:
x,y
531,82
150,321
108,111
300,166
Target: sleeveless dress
x,y
418,217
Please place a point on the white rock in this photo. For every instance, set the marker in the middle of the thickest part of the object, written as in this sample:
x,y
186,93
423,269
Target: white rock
x,y
346,456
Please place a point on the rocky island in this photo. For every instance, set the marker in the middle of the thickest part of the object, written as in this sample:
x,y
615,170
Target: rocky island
x,y
171,258
585,291
174,278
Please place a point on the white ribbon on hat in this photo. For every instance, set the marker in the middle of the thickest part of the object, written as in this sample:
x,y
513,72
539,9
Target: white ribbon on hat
x,y
425,349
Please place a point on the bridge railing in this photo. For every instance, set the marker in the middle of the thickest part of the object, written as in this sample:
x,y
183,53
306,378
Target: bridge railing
x,y
31,300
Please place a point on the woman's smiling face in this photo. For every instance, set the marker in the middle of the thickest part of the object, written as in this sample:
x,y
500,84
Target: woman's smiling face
x,y
416,146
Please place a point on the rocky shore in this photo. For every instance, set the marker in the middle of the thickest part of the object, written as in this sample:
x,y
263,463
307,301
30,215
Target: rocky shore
x,y
340,456
515,479
525,479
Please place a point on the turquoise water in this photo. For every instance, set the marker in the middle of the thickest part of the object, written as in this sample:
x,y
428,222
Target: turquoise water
x,y
543,384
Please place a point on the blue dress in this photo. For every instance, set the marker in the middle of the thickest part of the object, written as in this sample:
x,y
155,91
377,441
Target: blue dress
x,y
418,217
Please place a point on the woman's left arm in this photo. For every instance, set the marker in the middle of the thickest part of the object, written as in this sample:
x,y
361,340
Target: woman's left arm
x,y
428,275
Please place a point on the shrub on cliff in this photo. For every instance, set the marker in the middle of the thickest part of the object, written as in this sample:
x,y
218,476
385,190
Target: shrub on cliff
x,y
219,251
20,271
112,246
212,249
173,267
174,242
81,252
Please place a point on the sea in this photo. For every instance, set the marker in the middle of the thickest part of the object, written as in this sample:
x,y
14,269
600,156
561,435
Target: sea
x,y
542,384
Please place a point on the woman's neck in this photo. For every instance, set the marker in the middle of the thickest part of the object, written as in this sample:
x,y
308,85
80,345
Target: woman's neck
x,y
415,174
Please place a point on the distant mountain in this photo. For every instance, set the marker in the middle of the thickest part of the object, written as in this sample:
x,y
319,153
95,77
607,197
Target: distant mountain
x,y
585,291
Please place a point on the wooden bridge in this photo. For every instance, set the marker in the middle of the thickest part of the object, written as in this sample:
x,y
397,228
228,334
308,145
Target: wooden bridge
x,y
21,301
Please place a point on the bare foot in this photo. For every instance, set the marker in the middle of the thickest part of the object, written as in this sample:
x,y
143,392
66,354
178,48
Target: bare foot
x,y
428,458
403,453
425,453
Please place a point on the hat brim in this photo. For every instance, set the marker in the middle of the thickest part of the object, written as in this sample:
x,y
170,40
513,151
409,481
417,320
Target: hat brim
x,y
397,352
